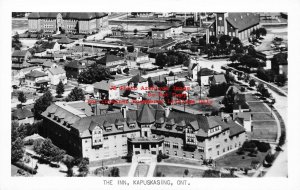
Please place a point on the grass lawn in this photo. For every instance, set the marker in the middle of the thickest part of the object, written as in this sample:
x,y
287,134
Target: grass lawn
x,y
110,161
262,116
171,171
264,130
251,97
258,107
182,161
141,170
235,160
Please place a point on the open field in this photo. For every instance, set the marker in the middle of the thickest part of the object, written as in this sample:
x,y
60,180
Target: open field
x,y
258,107
234,160
262,116
110,161
122,169
264,130
171,171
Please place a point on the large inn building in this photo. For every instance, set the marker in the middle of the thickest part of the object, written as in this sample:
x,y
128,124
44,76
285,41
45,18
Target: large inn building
x,y
146,131
71,22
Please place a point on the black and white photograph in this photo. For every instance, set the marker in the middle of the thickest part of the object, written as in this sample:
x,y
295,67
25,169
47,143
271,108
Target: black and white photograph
x,y
161,98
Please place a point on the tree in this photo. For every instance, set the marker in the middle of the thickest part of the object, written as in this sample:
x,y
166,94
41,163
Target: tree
x,y
278,59
202,41
218,90
252,82
161,60
213,39
270,158
130,48
94,73
135,31
171,73
60,89
115,172
75,95
69,162
42,103
17,151
236,41
262,31
150,82
224,39
48,151
21,97
83,167
186,172
281,79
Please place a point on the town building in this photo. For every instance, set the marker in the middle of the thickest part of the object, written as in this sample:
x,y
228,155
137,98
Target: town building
x,y
233,24
23,116
139,84
112,62
56,74
73,69
36,79
138,59
217,79
161,32
106,90
70,22
143,132
20,58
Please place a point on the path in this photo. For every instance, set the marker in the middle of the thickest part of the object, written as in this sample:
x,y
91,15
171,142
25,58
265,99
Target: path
x,y
183,166
132,169
151,169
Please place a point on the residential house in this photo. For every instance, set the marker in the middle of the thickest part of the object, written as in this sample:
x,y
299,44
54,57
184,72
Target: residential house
x,y
48,64
57,74
244,118
240,104
36,79
138,59
50,46
20,58
161,32
217,79
23,116
74,68
106,90
139,83
113,62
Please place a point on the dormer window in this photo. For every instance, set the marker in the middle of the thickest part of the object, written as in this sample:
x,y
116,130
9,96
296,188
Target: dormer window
x,y
131,125
120,127
158,125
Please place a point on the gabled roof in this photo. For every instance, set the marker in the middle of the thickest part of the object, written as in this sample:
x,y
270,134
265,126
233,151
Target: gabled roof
x,y
36,74
207,72
48,45
65,40
56,70
19,53
22,113
109,58
242,21
103,85
146,115
74,64
137,79
48,63
219,78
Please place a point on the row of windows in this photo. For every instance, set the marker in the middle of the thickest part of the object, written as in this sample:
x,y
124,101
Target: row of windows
x,y
183,154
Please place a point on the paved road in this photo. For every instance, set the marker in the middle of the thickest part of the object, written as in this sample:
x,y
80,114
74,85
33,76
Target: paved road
x,y
279,168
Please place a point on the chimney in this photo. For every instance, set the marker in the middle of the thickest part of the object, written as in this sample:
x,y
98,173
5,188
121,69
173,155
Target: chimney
x,y
124,111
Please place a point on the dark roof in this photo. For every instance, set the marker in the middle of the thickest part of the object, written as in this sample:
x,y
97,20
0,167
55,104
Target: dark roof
x,y
19,53
48,45
74,64
57,70
22,113
206,71
65,40
242,21
137,79
161,28
109,58
67,15
234,128
146,116
36,74
219,78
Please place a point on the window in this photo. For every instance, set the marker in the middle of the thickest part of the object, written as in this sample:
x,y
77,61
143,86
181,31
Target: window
x,y
223,149
225,140
136,146
167,151
184,155
209,149
167,144
193,156
223,133
175,145
175,153
86,141
218,146
201,149
106,138
124,135
158,125
153,145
